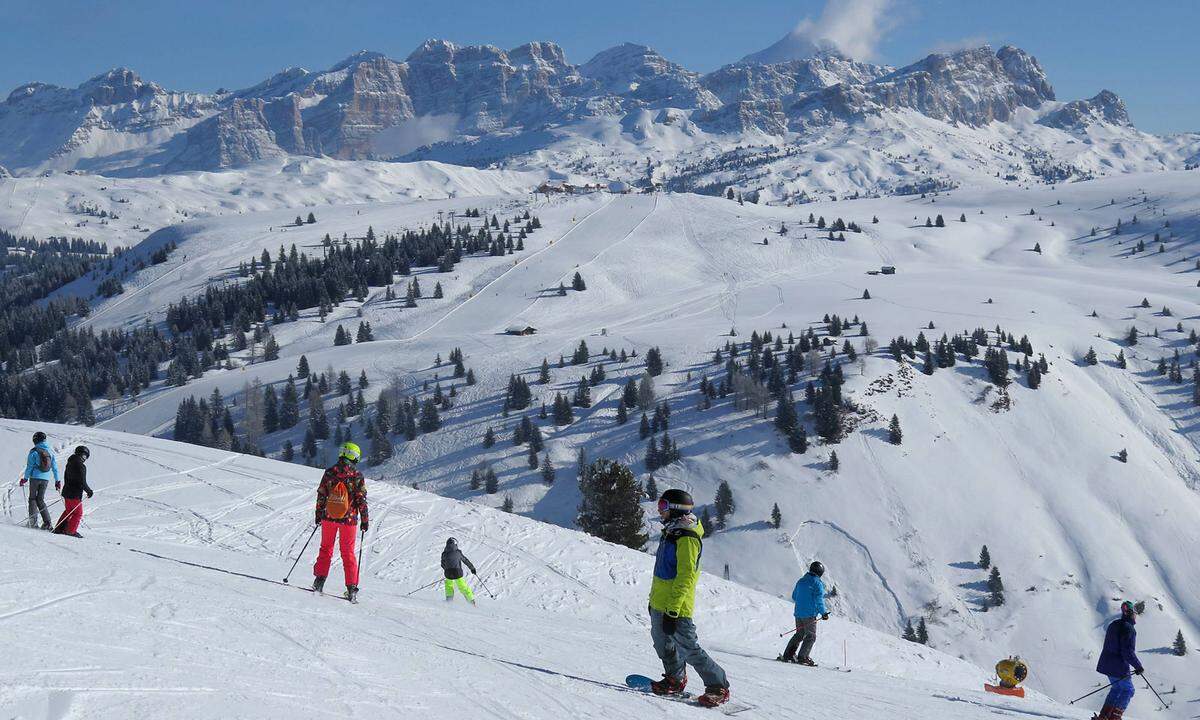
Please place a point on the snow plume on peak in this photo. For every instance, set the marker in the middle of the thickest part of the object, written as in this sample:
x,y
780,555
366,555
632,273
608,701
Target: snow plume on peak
x,y
850,27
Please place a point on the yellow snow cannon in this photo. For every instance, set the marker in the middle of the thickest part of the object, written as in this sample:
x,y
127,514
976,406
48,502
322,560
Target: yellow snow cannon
x,y
1012,672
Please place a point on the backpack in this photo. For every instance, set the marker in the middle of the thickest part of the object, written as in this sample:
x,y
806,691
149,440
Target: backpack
x,y
43,459
337,503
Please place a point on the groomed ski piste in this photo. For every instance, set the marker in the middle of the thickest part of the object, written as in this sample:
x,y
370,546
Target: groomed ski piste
x,y
95,630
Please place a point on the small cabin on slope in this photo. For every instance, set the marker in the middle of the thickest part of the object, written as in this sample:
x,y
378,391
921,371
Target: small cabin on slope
x,y
520,330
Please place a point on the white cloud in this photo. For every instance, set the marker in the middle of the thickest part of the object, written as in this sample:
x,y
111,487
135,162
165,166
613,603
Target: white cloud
x,y
952,46
412,134
853,27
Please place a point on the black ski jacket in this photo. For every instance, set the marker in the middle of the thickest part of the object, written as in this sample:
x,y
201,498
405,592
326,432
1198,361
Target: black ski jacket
x,y
453,560
75,479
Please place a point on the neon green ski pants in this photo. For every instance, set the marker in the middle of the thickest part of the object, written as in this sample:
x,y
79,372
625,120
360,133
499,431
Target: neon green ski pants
x,y
462,588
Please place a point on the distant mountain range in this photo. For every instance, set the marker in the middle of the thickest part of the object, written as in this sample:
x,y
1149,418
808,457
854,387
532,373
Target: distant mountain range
x,y
481,105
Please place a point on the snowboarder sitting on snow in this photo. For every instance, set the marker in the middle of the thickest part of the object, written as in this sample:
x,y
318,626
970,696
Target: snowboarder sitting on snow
x,y
40,466
341,499
452,562
673,601
73,490
1116,660
809,597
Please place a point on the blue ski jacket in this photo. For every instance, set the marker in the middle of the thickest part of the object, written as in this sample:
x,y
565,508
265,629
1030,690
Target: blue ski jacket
x,y
1118,654
809,596
33,470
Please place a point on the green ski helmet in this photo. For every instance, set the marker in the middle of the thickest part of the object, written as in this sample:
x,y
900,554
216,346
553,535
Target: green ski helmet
x,y
351,452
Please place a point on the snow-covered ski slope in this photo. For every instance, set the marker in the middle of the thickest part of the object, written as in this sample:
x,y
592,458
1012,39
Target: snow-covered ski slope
x,y
96,628
1072,529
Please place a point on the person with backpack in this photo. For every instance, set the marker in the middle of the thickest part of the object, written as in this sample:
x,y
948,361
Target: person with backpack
x,y
341,501
73,490
40,467
809,599
673,603
1119,662
452,562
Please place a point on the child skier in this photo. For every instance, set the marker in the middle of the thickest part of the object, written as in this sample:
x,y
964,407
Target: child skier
x,y
40,466
452,562
673,601
341,499
809,597
1119,661
73,490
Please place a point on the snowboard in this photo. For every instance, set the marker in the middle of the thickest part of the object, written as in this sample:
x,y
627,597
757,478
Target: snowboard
x,y
641,683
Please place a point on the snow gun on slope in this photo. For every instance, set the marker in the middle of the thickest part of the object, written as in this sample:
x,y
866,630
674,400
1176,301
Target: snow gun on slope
x,y
1012,672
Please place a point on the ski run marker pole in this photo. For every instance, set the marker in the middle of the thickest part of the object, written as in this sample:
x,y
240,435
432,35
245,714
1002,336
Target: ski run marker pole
x,y
1096,691
306,542
1164,702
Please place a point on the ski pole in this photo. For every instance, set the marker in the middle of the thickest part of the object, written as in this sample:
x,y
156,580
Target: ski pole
x,y
306,542
1096,691
483,585
428,585
1164,702
362,540
37,512
789,632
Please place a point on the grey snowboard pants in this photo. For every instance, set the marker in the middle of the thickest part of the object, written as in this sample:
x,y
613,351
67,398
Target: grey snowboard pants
x,y
37,502
804,637
682,649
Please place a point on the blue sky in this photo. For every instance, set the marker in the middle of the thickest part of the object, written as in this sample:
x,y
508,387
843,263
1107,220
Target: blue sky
x,y
1144,50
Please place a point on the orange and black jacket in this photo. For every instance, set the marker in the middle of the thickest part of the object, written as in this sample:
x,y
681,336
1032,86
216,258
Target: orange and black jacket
x,y
355,483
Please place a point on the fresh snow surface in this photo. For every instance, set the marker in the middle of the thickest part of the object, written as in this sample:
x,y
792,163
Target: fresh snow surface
x,y
96,630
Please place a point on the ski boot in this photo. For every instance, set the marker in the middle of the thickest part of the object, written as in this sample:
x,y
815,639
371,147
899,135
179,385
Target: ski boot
x,y
713,696
74,535
668,686
351,593
806,661
47,527
319,585
785,658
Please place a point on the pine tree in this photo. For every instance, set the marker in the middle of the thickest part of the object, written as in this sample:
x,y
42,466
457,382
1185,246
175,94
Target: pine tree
x,y
507,505
533,459
834,464
723,504
610,504
922,631
654,362
289,408
577,283
622,413
985,558
544,373
798,440
270,410
995,588
776,516
289,451
430,420
651,488
491,484
476,479
548,470
895,436
340,337
302,367
1179,647
1121,362
489,437
1091,358
909,633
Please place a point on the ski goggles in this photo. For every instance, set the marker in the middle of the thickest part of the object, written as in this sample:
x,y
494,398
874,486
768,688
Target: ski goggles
x,y
664,506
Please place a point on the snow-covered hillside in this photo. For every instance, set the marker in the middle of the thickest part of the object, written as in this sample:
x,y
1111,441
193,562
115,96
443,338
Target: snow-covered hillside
x,y
1077,530
107,627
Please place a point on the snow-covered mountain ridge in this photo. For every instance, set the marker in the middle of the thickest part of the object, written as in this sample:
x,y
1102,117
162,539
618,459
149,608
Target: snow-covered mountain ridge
x,y
482,105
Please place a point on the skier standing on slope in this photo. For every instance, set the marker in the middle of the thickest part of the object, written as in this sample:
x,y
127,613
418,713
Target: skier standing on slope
x,y
673,601
341,499
73,490
452,562
40,467
809,597
1119,661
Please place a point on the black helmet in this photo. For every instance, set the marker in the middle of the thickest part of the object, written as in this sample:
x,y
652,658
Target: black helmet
x,y
676,502
817,568
82,450
39,437
1128,609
